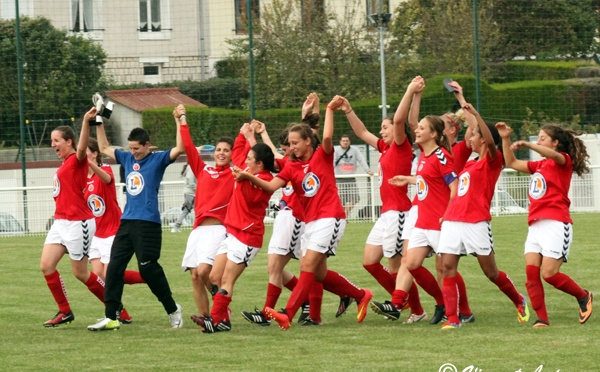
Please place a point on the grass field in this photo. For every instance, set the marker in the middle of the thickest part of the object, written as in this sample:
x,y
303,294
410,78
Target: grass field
x,y
495,342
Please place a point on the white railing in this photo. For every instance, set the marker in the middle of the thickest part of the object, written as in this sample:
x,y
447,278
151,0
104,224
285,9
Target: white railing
x,y
29,210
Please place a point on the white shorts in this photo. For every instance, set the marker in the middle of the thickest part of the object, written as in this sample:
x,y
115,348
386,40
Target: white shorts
x,y
287,233
387,233
424,238
76,236
323,235
237,252
202,245
462,238
409,225
550,238
101,249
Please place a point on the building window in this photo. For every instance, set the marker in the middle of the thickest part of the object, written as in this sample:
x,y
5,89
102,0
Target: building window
x,y
312,11
154,20
241,15
152,74
372,9
86,17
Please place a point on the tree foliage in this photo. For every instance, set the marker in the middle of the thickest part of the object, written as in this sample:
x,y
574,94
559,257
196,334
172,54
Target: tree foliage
x,y
60,73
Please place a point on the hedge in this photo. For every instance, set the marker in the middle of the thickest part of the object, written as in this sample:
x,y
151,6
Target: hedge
x,y
515,71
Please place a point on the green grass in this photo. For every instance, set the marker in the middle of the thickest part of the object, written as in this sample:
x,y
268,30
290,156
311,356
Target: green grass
x,y
495,342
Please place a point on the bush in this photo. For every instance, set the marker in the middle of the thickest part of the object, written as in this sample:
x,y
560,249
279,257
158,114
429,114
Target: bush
x,y
515,71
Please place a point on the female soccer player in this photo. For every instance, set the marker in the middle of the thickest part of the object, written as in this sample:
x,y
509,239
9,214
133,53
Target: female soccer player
x,y
245,228
550,225
213,192
311,174
466,228
385,239
74,224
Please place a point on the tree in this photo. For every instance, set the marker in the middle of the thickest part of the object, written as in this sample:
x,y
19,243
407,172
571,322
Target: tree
x,y
296,54
60,74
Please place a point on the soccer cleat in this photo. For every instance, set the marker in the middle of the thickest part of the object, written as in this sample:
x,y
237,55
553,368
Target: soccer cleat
x,y
176,318
414,318
309,322
206,323
257,317
540,324
449,325
124,317
387,309
105,324
464,319
344,304
523,310
224,326
440,311
585,307
59,319
280,317
363,305
304,313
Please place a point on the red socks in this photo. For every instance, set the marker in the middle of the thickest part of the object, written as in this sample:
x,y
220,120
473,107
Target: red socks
x,y
57,287
300,293
463,304
567,285
339,285
399,298
219,309
451,299
273,293
292,283
508,288
382,275
133,277
535,289
315,299
96,285
413,300
426,280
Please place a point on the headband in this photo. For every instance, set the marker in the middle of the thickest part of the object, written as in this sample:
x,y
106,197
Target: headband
x,y
455,125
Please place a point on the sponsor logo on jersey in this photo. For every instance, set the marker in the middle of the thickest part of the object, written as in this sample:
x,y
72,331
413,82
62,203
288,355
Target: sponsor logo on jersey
x,y
422,188
91,187
56,189
420,166
463,183
288,189
135,183
537,186
97,205
380,174
310,185
136,167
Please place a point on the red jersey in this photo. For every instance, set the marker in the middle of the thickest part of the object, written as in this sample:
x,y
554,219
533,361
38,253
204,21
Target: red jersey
x,y
289,199
395,160
315,179
434,173
475,190
69,186
460,155
102,199
549,189
248,204
215,184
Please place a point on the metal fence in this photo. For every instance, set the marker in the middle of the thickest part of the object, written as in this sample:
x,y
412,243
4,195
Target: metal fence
x,y
28,211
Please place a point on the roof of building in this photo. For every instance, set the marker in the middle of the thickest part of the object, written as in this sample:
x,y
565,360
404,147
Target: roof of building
x,y
144,99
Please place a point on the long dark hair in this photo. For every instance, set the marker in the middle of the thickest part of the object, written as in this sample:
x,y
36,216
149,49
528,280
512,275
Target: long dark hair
x,y
437,125
570,144
67,133
264,153
93,146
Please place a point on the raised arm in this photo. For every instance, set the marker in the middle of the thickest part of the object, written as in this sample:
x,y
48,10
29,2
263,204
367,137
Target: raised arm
x,y
413,115
542,150
261,129
483,128
84,137
357,125
509,156
327,140
471,119
103,142
179,115
268,186
403,108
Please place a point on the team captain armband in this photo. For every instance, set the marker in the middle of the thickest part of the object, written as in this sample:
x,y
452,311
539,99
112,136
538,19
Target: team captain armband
x,y
450,177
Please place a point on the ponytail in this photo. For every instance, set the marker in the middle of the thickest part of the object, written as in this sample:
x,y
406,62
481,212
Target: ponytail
x,y
570,144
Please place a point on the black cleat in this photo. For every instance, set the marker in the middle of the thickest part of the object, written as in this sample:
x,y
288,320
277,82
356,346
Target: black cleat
x,y
439,314
387,309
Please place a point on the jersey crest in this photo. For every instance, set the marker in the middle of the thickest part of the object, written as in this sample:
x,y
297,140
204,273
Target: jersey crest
x,y
537,186
380,171
310,184
97,205
288,189
135,183
422,188
56,189
463,183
